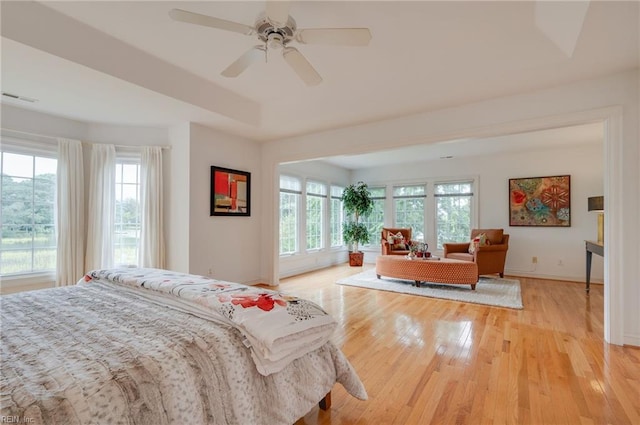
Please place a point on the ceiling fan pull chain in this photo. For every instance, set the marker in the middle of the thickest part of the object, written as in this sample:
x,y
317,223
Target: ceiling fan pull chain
x,y
266,52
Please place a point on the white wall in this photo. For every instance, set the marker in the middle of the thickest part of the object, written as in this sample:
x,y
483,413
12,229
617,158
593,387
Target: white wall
x,y
613,99
34,122
585,166
228,246
177,199
126,135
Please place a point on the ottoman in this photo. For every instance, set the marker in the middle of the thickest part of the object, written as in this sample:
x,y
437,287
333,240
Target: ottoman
x,y
419,270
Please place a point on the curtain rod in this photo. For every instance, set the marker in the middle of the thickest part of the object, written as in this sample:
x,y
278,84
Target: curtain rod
x,y
84,143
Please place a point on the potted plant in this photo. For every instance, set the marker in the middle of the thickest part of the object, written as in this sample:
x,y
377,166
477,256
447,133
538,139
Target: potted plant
x,y
357,203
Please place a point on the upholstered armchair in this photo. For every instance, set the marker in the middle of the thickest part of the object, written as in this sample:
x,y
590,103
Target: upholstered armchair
x,y
388,245
490,256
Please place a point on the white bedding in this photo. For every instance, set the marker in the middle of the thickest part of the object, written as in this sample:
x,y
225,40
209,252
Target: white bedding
x,y
278,328
92,354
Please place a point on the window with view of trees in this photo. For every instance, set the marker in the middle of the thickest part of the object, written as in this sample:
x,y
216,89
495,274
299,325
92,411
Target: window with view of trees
x,y
453,211
28,199
437,212
408,204
452,206
337,216
290,194
375,220
316,198
126,240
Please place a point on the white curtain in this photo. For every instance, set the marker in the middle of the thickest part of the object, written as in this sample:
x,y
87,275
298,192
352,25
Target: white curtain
x,y
101,216
152,237
70,213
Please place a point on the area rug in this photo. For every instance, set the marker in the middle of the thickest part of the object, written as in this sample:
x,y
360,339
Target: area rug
x,y
489,291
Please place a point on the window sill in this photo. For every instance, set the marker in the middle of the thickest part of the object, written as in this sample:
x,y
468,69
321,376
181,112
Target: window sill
x,y
27,282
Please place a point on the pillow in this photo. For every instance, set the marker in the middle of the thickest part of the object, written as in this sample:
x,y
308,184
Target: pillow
x,y
397,241
479,240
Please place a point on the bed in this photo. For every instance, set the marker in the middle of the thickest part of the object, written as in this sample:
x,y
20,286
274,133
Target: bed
x,y
148,346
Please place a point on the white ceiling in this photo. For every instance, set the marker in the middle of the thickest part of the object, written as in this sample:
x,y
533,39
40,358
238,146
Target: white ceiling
x,y
423,56
556,138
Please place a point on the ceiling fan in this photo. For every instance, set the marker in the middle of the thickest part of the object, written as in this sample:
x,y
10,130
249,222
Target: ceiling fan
x,y
275,29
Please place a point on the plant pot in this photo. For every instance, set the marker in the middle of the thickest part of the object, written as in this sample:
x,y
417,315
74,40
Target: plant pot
x,y
356,259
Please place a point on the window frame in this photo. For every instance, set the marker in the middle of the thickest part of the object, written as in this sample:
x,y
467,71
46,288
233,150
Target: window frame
x,y
298,223
34,148
413,197
472,205
378,201
127,159
322,197
336,207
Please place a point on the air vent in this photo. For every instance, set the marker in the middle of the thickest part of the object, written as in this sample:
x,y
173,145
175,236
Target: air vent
x,y
17,97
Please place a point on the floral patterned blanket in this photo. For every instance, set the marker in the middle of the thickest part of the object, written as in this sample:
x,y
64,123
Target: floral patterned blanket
x,y
97,354
278,328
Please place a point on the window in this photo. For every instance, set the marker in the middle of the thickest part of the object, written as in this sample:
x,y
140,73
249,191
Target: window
x,y
316,204
290,194
28,198
375,221
337,216
453,211
408,203
126,241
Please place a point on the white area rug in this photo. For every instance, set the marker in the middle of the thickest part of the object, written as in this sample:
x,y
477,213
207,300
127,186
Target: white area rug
x,y
490,291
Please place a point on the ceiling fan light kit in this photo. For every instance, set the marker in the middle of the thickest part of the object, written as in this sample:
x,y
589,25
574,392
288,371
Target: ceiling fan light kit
x,y
275,29
275,41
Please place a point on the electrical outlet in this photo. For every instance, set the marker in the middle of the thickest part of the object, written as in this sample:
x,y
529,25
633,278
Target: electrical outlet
x,y
560,263
210,272
534,260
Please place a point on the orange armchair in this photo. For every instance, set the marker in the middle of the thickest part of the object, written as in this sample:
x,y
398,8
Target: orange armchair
x,y
388,248
490,258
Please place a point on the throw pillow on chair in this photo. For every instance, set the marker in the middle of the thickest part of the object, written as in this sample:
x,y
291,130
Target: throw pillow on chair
x,y
397,241
480,240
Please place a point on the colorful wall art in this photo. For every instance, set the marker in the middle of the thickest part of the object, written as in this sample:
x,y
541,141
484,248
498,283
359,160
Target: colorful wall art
x,y
540,201
230,192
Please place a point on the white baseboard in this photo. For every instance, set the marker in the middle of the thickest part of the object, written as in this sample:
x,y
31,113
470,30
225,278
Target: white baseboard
x,y
632,340
533,275
258,282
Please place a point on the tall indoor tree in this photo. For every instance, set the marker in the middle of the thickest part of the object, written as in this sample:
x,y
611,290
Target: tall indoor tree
x,y
357,203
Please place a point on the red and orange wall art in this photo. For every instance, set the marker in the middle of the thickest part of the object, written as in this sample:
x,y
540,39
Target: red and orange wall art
x,y
230,192
540,201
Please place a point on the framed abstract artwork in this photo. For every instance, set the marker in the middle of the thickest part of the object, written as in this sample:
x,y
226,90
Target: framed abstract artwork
x,y
540,201
230,192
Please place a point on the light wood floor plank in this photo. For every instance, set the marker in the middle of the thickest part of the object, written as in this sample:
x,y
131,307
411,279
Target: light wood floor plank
x,y
431,361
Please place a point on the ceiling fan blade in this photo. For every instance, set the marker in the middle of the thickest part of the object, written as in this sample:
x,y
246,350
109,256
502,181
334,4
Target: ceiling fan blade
x,y
278,12
209,21
334,36
301,66
244,61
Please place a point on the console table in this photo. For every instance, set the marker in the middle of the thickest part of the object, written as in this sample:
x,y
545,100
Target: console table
x,y
591,248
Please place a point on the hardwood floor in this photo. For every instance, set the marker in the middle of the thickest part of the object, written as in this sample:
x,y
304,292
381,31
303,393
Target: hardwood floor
x,y
431,361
